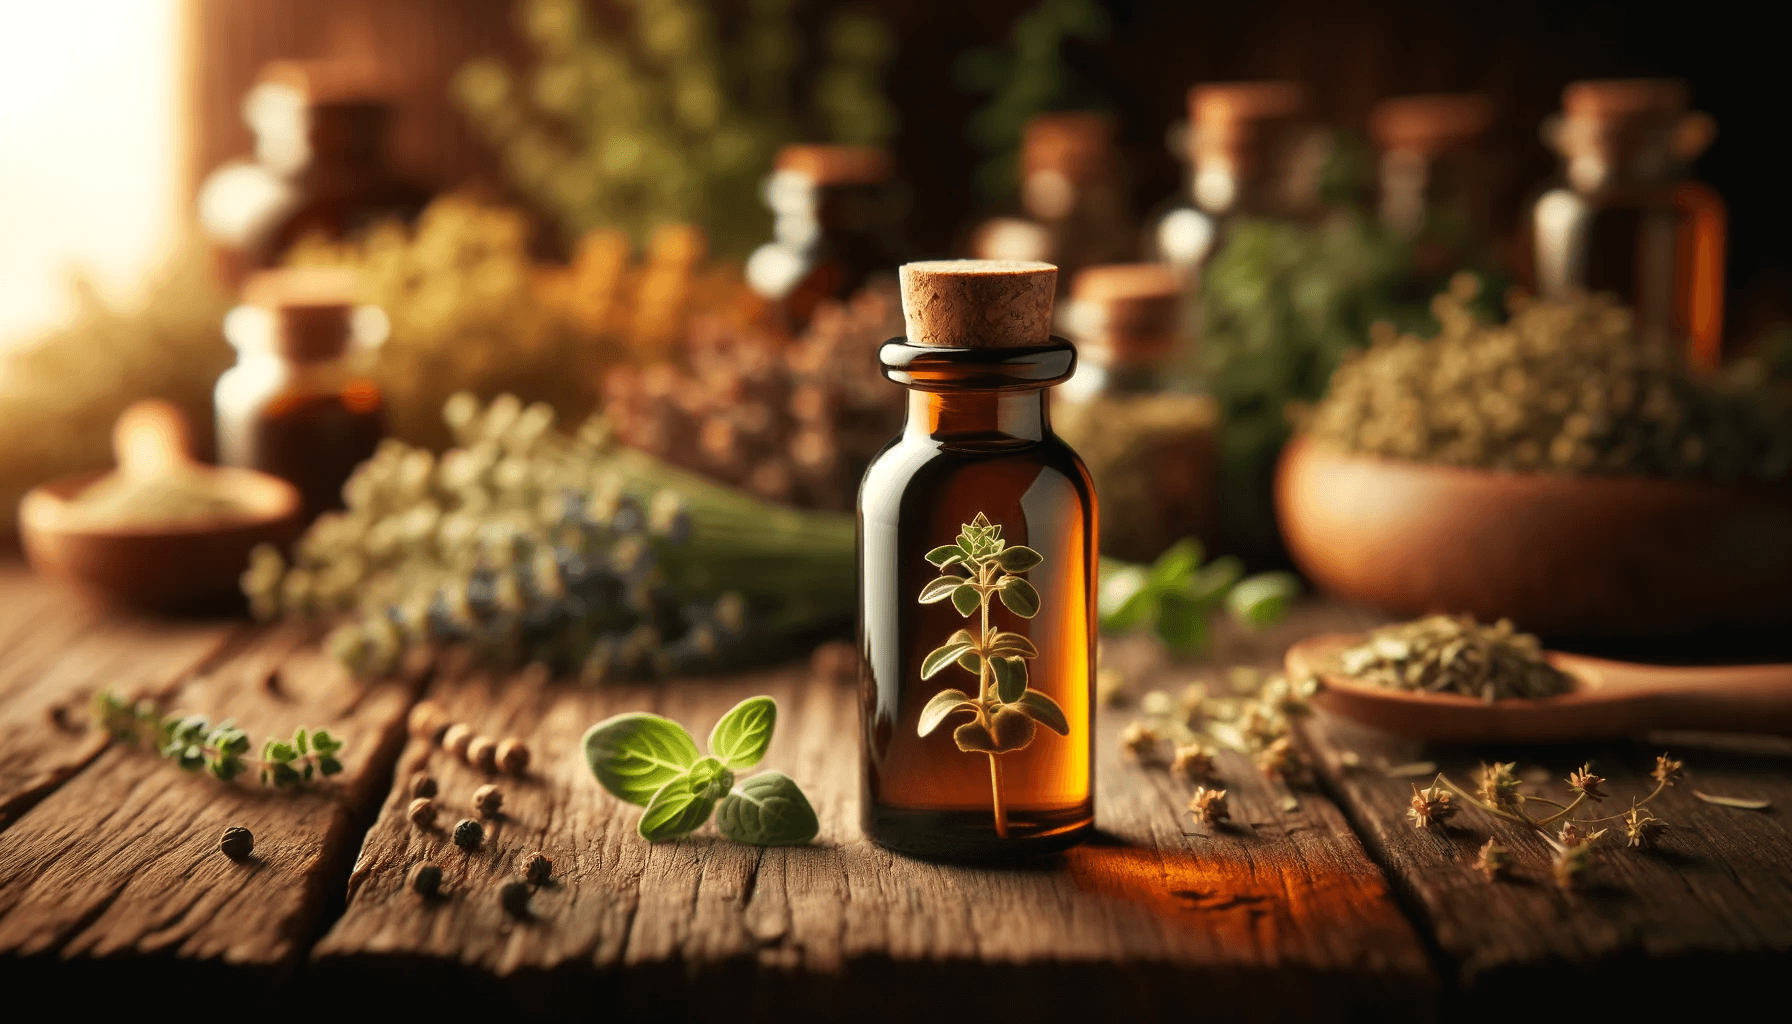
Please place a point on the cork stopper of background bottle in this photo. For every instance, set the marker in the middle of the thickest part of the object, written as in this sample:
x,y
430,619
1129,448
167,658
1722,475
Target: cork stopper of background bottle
x,y
978,303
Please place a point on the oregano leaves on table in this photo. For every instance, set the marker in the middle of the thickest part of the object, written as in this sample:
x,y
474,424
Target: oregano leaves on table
x,y
653,762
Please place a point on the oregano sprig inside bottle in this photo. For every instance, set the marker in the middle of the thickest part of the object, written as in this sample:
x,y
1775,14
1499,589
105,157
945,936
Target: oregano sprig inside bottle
x,y
652,761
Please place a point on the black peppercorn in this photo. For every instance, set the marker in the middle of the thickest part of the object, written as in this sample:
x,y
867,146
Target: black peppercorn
x,y
237,842
538,869
514,895
426,880
468,834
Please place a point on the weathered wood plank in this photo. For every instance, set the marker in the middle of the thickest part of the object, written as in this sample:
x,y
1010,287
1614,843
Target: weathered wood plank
x,y
121,862
55,652
1285,916
1709,911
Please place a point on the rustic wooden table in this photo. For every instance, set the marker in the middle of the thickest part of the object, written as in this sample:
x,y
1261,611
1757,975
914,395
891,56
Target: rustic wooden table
x,y
1328,905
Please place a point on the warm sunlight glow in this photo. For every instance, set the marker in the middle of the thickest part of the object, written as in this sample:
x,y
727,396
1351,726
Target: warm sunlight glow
x,y
90,146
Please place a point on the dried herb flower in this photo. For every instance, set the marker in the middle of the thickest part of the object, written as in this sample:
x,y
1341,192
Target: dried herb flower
x,y
537,868
1281,760
1193,762
1110,687
488,799
425,880
237,842
422,812
1667,770
1209,806
1156,704
1586,782
1498,787
1569,865
1573,835
468,834
1430,806
1642,828
1494,860
513,756
1142,741
423,784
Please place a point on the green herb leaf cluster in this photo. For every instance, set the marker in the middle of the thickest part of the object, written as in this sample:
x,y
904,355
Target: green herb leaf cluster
x,y
977,566
195,743
653,762
1177,597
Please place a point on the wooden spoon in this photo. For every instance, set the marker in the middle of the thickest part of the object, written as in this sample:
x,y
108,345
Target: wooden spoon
x,y
1611,699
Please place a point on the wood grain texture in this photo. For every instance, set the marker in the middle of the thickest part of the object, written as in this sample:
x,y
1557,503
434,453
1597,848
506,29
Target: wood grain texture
x,y
121,862
1709,911
56,653
1279,916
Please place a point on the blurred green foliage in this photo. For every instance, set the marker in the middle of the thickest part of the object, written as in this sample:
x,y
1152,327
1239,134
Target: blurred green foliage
x,y
1031,78
670,116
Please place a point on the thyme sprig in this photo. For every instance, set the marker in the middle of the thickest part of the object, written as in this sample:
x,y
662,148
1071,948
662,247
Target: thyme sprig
x,y
195,743
1006,714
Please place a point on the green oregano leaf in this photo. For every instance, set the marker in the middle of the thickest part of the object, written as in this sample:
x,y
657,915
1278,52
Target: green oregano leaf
x,y
946,554
1044,710
299,741
1019,597
1011,678
942,656
1019,558
635,755
1262,599
940,589
676,808
1013,644
740,738
328,765
943,703
768,809
966,599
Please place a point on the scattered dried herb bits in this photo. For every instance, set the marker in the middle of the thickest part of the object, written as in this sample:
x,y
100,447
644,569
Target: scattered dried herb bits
x,y
538,869
468,834
425,880
1455,654
422,812
237,842
513,756
488,799
514,896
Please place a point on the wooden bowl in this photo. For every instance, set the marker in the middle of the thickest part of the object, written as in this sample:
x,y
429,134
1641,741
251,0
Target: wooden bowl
x,y
182,566
1558,555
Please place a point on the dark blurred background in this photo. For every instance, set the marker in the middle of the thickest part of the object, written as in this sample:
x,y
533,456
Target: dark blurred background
x,y
1350,54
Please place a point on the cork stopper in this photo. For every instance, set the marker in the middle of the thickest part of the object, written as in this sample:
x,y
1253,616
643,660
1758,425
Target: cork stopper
x,y
1077,144
978,303
837,165
1430,124
1127,312
312,308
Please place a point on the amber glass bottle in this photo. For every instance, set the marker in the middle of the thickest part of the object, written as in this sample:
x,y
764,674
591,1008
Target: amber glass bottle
x,y
977,464
291,406
1627,217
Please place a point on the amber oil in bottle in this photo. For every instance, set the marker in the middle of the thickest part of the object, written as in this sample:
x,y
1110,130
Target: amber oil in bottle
x,y
977,463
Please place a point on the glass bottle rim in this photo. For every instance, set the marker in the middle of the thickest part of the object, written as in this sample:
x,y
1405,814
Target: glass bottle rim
x,y
1013,368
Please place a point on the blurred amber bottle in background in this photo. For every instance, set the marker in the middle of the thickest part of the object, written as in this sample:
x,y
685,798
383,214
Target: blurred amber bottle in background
x,y
1072,198
292,405
837,216
1433,180
1151,445
1626,216
319,167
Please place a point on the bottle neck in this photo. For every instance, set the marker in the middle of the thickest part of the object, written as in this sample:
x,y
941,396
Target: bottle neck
x,y
978,417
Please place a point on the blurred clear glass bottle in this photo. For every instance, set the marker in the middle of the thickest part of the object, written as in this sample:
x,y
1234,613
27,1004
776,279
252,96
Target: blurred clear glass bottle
x,y
1626,216
293,404
1072,198
837,221
1151,445
319,166
1434,179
